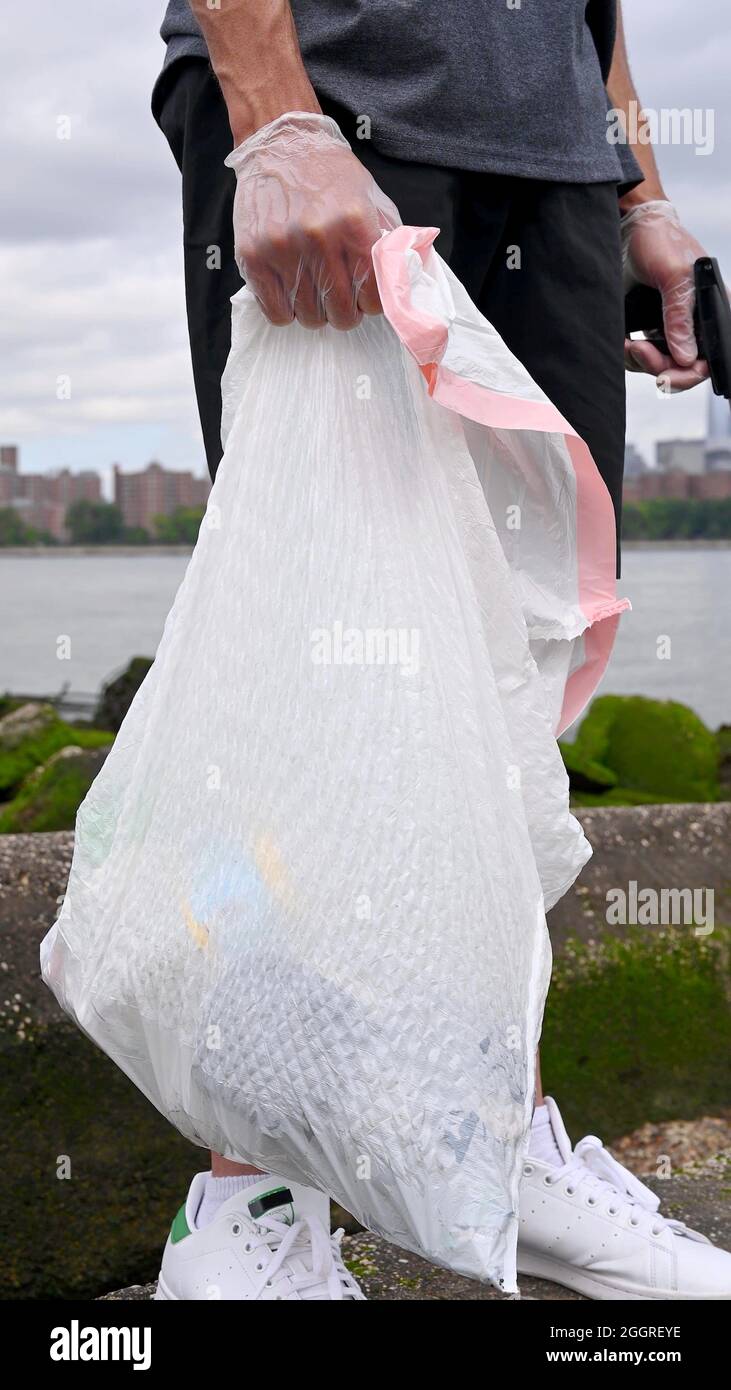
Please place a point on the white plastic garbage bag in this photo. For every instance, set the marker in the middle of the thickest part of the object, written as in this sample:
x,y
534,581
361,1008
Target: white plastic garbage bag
x,y
306,911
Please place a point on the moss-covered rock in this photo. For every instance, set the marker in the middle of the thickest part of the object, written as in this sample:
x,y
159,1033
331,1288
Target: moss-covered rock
x,y
30,735
8,703
658,749
585,774
117,695
51,795
29,719
723,743
638,1028
97,1173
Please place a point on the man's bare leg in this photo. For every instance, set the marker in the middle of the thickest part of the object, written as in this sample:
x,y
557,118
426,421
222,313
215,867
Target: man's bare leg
x,y
542,1141
538,1098
226,1168
225,1179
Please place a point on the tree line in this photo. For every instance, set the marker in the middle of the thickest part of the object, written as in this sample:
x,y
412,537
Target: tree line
x,y
102,523
677,519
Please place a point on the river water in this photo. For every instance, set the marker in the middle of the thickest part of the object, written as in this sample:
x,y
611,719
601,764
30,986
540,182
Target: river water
x,y
673,645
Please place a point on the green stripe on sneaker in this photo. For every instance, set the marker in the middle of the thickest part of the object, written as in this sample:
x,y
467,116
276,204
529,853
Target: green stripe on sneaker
x,y
180,1227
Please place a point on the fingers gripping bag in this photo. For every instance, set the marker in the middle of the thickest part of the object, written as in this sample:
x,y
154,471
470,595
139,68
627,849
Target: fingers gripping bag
x,y
306,910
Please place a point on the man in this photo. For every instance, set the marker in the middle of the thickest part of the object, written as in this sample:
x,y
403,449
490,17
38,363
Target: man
x,y
488,121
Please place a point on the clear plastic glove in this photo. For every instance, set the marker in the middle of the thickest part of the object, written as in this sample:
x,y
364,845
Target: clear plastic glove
x,y
306,214
658,251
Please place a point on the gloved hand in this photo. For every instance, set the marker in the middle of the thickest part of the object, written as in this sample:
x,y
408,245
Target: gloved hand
x,y
658,251
306,214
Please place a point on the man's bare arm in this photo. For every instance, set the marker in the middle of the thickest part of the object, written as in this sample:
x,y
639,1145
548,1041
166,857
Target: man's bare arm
x,y
306,211
256,57
622,94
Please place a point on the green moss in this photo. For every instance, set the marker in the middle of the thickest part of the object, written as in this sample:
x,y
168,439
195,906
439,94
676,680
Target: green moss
x,y
619,796
723,744
16,762
658,749
585,774
639,1028
117,695
361,1267
105,1226
51,796
9,703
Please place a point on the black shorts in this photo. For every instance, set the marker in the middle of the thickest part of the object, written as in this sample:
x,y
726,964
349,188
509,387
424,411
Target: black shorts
x,y
542,261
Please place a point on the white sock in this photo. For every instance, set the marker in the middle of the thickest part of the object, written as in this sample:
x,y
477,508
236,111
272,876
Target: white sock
x,y
542,1142
218,1190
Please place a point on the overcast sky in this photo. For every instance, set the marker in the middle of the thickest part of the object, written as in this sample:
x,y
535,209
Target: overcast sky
x,y
90,257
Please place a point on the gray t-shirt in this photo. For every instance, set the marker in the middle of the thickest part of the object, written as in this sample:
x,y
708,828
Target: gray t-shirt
x,y
498,87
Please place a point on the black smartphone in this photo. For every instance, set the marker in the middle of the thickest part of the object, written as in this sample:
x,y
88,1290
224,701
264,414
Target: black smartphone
x,y
643,314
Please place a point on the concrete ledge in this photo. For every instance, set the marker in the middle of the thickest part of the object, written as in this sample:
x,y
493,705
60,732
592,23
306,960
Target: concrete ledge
x,y
658,846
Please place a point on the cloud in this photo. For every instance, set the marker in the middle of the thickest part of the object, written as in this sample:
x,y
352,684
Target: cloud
x,y
91,245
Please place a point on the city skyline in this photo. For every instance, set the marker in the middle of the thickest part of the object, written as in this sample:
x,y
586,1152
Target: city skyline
x,y
715,453
41,499
106,470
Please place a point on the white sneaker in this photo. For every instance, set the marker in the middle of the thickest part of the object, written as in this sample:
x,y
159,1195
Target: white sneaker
x,y
270,1241
593,1227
